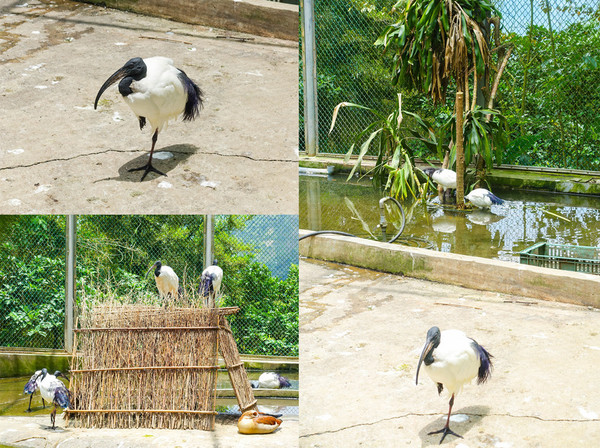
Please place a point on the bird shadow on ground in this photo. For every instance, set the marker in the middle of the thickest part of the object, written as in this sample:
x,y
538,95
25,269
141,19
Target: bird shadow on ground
x,y
180,154
475,413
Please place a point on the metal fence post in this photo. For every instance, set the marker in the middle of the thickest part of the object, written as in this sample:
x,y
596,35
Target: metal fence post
x,y
309,73
209,239
71,239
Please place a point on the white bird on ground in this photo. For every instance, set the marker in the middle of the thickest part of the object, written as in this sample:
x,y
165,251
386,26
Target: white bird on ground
x,y
482,198
254,422
156,91
31,387
210,284
271,380
451,360
54,391
167,281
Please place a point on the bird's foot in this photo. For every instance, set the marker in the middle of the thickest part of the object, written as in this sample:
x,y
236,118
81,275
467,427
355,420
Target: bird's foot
x,y
147,168
28,410
445,431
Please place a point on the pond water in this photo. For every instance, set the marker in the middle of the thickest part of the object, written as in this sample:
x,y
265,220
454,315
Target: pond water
x,y
14,402
525,218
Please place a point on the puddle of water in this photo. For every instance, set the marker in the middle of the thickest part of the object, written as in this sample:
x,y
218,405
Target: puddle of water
x,y
14,402
331,203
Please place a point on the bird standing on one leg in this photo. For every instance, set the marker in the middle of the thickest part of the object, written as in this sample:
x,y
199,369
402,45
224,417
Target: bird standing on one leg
x,y
210,284
156,91
482,198
54,391
31,386
451,360
167,281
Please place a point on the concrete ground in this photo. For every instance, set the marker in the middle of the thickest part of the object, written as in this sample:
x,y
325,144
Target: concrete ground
x,y
361,336
34,432
59,155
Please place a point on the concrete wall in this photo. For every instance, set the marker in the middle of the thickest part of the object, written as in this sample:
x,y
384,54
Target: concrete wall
x,y
259,17
18,363
462,270
24,363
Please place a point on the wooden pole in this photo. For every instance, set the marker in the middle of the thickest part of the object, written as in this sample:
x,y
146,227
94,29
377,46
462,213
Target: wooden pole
x,y
460,151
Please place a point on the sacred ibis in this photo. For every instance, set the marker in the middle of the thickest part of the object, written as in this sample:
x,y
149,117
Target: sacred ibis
x,y
482,198
254,422
271,380
167,281
444,177
451,360
53,390
156,91
31,387
210,284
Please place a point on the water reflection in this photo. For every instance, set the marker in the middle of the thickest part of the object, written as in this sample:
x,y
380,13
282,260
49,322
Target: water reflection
x,y
501,232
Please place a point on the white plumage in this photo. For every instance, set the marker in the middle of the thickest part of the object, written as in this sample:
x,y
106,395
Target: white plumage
x,y
156,91
444,177
482,198
451,360
210,284
271,380
53,390
167,281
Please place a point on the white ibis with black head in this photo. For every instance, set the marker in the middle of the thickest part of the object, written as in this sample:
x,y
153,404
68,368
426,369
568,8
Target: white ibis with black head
x,y
156,91
167,281
31,387
271,380
482,198
210,284
451,360
53,390
444,177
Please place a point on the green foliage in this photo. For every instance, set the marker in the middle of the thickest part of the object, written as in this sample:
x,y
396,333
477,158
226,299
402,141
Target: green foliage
x,y
551,102
113,256
435,40
391,142
268,307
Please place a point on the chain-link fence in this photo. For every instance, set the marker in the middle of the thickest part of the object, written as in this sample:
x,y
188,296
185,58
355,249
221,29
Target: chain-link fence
x,y
258,255
549,93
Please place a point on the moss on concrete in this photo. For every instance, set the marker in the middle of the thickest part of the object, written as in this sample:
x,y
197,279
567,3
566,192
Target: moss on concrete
x,y
14,364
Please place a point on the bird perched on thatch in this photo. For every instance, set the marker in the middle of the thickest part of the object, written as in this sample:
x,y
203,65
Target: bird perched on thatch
x,y
254,422
210,284
167,281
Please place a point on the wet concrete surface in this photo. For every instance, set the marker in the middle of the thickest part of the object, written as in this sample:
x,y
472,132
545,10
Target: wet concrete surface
x,y
361,334
59,155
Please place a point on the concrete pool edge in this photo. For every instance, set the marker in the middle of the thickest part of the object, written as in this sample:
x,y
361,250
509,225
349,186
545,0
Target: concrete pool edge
x,y
455,269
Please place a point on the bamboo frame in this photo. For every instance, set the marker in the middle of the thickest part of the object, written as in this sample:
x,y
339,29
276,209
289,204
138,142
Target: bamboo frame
x,y
143,366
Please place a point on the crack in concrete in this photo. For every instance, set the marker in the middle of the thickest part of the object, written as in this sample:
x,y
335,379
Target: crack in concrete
x,y
64,159
413,414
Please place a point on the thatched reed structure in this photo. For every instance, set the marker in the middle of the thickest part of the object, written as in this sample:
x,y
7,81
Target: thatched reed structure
x,y
144,366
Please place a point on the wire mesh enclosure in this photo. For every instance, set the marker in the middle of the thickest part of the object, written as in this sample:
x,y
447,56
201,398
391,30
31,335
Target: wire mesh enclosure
x,y
258,255
142,366
549,92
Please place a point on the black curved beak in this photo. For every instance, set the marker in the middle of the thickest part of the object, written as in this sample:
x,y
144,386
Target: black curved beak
x,y
428,347
149,270
116,76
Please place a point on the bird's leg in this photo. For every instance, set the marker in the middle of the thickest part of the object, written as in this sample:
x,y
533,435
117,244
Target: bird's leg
x,y
53,417
43,403
148,167
446,429
29,408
